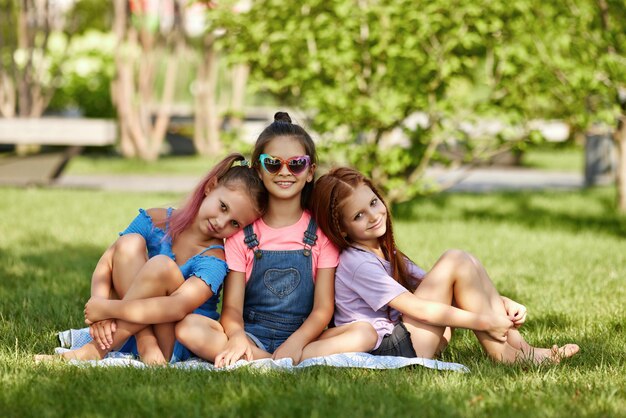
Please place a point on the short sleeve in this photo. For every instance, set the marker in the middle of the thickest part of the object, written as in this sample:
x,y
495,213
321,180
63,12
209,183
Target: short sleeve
x,y
235,251
142,225
210,270
372,283
328,255
415,271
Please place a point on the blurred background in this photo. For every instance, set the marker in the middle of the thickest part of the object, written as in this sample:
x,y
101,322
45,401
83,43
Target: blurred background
x,y
401,90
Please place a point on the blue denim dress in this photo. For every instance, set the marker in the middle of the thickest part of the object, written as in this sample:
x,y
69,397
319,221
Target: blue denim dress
x,y
279,293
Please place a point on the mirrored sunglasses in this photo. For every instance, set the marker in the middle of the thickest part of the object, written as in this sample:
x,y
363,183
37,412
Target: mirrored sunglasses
x,y
296,165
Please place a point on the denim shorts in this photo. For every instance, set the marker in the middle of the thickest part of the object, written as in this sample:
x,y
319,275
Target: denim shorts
x,y
398,343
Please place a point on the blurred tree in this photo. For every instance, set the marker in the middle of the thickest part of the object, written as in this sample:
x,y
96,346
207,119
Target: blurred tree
x,y
145,31
364,68
564,60
34,40
201,34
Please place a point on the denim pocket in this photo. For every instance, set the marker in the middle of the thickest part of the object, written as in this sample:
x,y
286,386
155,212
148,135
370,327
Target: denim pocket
x,y
281,282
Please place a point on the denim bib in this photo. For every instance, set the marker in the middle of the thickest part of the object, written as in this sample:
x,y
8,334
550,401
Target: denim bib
x,y
279,293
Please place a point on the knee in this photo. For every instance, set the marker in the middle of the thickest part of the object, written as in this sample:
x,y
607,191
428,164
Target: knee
x,y
161,266
130,246
184,329
457,260
366,335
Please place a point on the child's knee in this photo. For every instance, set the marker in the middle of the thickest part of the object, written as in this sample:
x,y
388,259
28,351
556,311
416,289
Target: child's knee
x,y
130,246
457,260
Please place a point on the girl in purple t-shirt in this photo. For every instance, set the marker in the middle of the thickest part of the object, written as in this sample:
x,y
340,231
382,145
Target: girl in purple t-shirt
x,y
410,310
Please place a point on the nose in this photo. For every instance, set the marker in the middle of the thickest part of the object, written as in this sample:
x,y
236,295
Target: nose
x,y
284,171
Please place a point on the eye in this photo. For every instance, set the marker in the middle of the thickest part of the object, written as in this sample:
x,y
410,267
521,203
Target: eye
x,y
234,223
358,216
374,202
223,206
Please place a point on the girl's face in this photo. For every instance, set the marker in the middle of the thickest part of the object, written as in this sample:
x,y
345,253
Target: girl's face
x,y
364,217
284,184
224,212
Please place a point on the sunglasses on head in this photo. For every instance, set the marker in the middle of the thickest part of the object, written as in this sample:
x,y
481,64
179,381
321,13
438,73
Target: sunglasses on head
x,y
296,165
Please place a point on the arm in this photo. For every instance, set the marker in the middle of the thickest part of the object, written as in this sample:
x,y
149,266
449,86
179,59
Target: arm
x,y
316,322
238,345
440,314
156,310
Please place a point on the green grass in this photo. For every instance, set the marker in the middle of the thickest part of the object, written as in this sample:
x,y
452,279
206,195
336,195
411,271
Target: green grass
x,y
107,164
551,159
555,159
561,254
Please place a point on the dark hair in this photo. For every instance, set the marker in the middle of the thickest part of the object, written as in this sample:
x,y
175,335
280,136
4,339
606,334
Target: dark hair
x,y
282,126
331,192
223,174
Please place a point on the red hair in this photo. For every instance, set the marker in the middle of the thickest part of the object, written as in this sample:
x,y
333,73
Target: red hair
x,y
330,193
223,174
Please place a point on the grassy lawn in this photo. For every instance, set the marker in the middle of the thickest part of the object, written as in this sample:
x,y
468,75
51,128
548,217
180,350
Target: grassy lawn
x,y
107,164
551,159
561,254
555,159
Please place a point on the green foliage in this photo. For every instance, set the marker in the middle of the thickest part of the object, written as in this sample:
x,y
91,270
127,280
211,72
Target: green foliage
x,y
88,71
561,254
362,68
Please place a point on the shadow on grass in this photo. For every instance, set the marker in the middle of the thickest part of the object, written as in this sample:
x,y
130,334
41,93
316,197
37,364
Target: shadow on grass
x,y
534,210
44,288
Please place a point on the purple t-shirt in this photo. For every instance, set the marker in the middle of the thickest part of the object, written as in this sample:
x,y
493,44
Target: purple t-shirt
x,y
363,288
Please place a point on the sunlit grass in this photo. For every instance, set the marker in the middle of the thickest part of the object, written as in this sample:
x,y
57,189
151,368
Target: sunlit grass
x,y
562,254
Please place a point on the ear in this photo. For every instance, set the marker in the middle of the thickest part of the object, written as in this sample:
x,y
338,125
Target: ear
x,y
311,175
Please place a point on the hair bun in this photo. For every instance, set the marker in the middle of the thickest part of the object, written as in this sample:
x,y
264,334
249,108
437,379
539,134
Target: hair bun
x,y
282,117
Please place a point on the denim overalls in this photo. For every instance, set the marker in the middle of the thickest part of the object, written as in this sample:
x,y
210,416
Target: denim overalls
x,y
279,293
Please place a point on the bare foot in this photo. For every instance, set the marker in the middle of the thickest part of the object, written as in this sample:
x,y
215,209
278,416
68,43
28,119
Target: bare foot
x,y
86,352
96,309
551,355
47,358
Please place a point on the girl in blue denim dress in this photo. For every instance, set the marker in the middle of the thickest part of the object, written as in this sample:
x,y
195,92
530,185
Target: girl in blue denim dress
x,y
176,253
279,293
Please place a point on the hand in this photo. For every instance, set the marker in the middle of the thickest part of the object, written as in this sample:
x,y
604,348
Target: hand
x,y
499,327
289,350
95,310
515,311
237,347
102,333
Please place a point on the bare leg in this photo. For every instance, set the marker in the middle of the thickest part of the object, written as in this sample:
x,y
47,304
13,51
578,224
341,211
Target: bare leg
x,y
206,338
354,337
129,256
458,276
160,276
454,277
515,338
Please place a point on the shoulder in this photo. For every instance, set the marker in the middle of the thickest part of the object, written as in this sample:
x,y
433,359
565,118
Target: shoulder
x,y
157,215
355,262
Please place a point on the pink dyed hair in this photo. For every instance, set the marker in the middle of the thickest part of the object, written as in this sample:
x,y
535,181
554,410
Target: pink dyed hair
x,y
223,174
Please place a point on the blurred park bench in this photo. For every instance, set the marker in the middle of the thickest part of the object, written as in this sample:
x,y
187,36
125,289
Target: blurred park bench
x,y
42,168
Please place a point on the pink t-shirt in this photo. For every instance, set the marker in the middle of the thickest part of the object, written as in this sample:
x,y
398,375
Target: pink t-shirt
x,y
240,258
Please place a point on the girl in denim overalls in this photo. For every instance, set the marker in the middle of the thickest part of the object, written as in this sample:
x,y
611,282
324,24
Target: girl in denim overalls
x,y
279,294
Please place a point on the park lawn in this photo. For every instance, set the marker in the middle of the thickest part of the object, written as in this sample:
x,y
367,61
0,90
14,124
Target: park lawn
x,y
561,254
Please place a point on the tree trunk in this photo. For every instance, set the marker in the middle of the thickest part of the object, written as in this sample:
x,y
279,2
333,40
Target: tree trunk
x,y
240,75
133,88
620,142
206,122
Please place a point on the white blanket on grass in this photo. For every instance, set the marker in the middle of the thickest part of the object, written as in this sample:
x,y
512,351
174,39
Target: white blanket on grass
x,y
76,338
